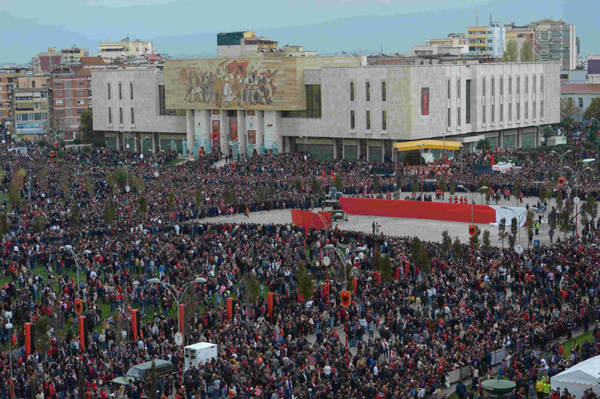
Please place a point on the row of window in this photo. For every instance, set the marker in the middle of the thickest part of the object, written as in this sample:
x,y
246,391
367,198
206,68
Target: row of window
x,y
493,112
120,116
368,120
120,91
32,117
368,91
493,86
30,98
62,102
77,83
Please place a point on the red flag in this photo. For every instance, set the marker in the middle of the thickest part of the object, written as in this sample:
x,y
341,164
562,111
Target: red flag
x,y
332,175
214,135
492,159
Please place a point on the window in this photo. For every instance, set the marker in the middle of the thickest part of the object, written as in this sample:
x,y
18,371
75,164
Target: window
x,y
368,124
518,85
109,91
493,88
368,91
131,90
468,101
483,114
483,87
534,109
542,85
121,116
313,101
79,111
580,102
33,84
501,86
509,112
501,113
493,112
58,84
352,120
351,91
109,116
449,117
59,102
542,107
120,92
509,85
449,90
526,84
80,102
458,88
458,117
526,110
384,120
162,109
132,117
80,83
383,90
534,83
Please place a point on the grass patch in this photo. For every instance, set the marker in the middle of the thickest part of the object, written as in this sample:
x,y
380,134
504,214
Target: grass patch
x,y
175,161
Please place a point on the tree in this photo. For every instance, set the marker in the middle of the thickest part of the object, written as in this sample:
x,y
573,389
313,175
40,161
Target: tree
x,y
39,224
14,195
33,387
261,194
198,197
306,284
552,218
487,244
529,223
142,205
386,269
511,52
527,54
502,234
418,255
452,186
110,212
565,222
337,183
376,186
483,146
81,383
517,191
118,330
4,229
298,185
252,289
457,249
512,238
86,128
591,206
171,201
42,340
230,195
593,111
74,216
442,184
415,184
446,242
153,382
315,187
568,110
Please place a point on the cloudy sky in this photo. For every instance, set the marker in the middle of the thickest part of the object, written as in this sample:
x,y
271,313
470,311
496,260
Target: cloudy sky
x,y
187,27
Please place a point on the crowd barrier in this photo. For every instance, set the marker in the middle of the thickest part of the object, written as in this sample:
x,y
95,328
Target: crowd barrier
x,y
465,372
483,214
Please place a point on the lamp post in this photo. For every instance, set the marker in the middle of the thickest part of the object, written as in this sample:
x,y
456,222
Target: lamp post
x,y
174,292
9,327
344,259
519,218
69,249
141,140
561,157
472,195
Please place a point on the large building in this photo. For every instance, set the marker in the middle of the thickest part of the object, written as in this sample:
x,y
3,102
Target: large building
x,y
129,107
70,96
556,41
124,49
338,107
47,61
30,107
246,44
487,39
521,34
580,95
453,45
8,82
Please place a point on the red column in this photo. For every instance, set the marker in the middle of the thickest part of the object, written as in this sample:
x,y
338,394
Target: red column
x,y
134,324
230,308
181,318
270,299
81,333
28,339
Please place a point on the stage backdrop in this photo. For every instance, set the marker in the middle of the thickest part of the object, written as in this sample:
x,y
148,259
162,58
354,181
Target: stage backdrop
x,y
483,214
308,220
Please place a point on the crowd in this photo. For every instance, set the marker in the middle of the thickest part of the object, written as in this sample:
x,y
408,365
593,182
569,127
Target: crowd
x,y
401,337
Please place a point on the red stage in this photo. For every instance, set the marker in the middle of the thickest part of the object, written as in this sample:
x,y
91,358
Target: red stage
x,y
418,210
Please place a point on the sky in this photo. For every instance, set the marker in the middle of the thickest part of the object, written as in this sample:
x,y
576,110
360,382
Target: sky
x,y
188,28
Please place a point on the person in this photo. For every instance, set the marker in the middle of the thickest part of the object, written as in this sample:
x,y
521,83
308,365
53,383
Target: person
x,y
551,234
537,228
461,389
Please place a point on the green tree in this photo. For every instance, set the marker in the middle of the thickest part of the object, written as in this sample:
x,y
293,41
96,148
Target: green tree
x,y
376,185
514,229
42,340
39,224
568,110
475,239
74,216
415,184
261,194
483,146
527,54
511,51
252,289
452,186
142,205
315,187
419,256
565,222
386,269
457,249
110,212
89,186
86,129
153,382
505,56
4,228
517,190
446,242
502,234
591,206
593,111
81,383
338,183
298,185
171,201
14,195
33,387
442,184
198,197
306,284
552,219
487,243
230,195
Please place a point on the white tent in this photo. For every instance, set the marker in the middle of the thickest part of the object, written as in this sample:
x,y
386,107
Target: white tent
x,y
579,378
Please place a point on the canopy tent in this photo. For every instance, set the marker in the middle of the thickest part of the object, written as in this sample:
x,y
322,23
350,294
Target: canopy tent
x,y
579,378
498,388
431,144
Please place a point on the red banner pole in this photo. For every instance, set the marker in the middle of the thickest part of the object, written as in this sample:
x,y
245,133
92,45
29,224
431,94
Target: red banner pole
x,y
28,339
270,299
134,324
81,333
181,317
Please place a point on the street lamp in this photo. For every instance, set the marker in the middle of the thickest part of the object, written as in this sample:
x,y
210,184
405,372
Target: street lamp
x,y
472,195
69,249
518,217
561,157
344,259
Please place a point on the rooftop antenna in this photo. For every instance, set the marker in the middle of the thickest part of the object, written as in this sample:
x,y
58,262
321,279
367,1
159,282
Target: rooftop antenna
x,y
490,18
477,17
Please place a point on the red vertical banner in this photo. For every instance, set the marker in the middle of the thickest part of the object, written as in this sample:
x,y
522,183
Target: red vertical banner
x,y
397,274
425,102
181,318
270,300
28,339
81,334
378,277
216,135
134,324
252,137
230,308
233,130
326,289
355,285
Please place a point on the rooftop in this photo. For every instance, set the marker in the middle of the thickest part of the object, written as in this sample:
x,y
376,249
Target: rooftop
x,y
580,88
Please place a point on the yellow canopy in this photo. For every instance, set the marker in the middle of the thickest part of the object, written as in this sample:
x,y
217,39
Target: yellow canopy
x,y
434,144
